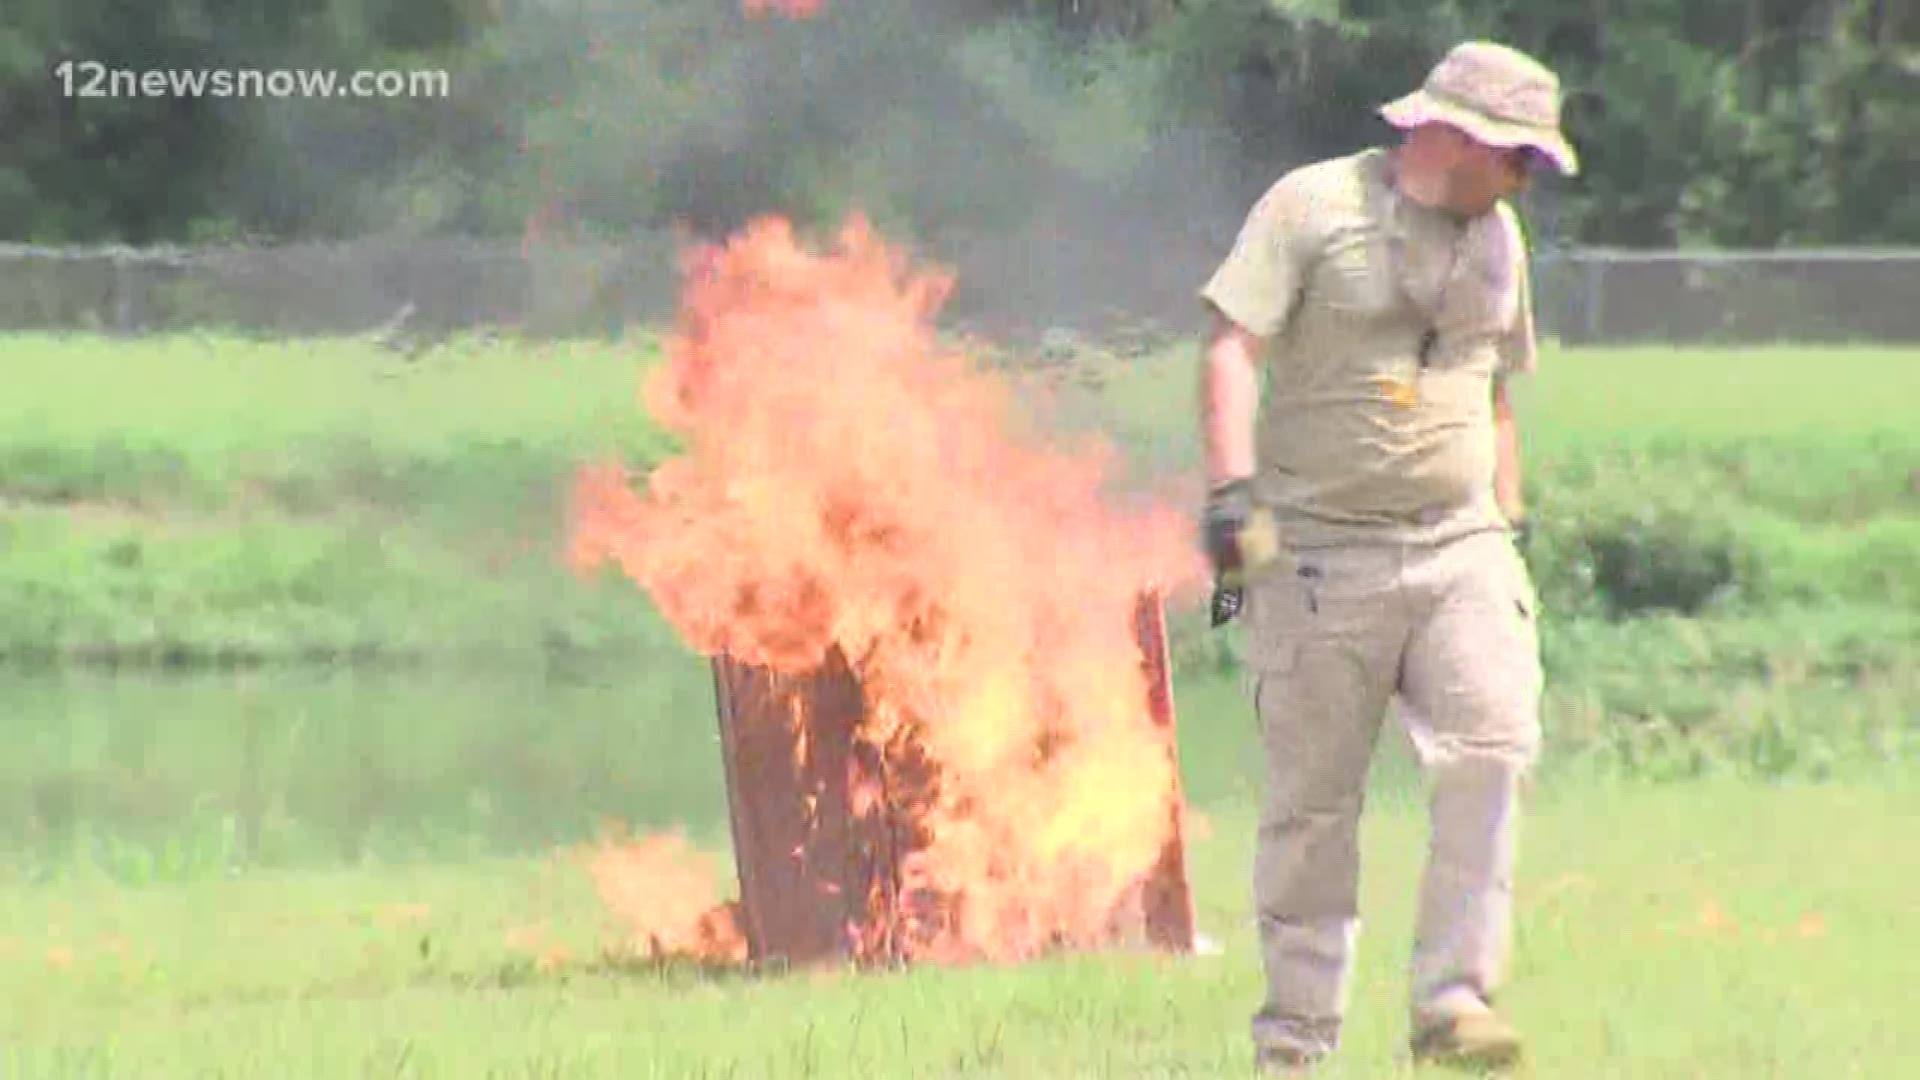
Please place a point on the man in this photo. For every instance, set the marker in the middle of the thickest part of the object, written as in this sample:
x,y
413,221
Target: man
x,y
1365,514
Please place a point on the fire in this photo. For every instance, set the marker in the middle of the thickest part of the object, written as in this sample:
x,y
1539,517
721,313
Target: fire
x,y
850,483
662,893
792,9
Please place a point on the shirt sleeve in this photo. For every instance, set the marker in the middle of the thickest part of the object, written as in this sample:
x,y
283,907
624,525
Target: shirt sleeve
x,y
1519,347
1258,283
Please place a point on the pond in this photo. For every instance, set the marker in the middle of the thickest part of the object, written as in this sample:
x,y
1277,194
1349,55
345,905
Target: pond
x,y
154,775
151,776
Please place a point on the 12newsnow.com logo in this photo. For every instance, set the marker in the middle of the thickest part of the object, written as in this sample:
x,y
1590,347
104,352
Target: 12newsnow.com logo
x,y
94,79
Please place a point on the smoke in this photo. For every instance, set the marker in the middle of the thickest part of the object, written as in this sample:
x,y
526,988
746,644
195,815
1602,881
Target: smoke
x,y
1049,174
1050,177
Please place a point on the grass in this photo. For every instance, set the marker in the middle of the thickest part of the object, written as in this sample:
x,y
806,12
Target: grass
x,y
235,841
1717,929
231,501
193,501
1699,394
238,503
1721,395
199,398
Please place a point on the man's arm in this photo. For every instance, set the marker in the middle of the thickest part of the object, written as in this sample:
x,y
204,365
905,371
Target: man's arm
x,y
1230,399
1506,463
1519,355
1251,295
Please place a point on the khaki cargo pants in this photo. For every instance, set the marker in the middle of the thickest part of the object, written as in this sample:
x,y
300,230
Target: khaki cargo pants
x,y
1333,636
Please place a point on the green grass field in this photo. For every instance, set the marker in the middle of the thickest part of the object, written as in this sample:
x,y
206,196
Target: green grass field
x,y
199,501
301,707
202,500
1716,930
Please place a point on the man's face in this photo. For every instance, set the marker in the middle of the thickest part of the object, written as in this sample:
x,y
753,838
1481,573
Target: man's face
x,y
1482,175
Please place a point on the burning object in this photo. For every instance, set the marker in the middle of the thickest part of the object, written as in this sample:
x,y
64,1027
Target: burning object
x,y
828,827
938,647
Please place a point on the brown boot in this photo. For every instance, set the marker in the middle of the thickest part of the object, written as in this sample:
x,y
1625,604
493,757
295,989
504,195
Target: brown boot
x,y
1479,1040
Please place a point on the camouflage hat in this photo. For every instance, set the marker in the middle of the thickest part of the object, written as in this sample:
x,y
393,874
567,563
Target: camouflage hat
x,y
1500,96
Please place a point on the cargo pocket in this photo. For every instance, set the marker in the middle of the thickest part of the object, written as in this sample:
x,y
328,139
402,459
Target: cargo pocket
x,y
1526,599
1275,613
1526,606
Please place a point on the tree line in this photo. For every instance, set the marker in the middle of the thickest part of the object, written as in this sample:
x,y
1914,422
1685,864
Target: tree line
x,y
1702,122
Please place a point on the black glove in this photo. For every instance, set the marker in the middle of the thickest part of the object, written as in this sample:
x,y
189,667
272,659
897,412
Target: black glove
x,y
1239,538
1229,508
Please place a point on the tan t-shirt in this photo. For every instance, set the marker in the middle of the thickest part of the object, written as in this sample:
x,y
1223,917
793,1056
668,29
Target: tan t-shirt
x,y
1357,438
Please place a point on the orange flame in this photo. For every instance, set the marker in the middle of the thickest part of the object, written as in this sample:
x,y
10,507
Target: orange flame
x,y
849,483
792,9
663,895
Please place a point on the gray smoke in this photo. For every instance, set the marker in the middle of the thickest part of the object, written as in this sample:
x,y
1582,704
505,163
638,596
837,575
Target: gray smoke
x,y
1062,196
970,143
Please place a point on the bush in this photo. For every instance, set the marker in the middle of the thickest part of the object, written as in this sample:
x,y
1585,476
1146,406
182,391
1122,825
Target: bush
x,y
1799,692
1634,533
1698,529
1662,563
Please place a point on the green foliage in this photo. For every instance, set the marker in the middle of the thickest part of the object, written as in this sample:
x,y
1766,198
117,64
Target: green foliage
x,y
1653,563
1800,692
1720,123
235,502
1722,589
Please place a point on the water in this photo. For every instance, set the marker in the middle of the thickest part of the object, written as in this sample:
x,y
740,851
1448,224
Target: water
x,y
156,776
151,777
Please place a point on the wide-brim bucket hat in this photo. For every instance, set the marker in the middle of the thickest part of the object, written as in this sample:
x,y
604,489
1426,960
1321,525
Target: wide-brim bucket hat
x,y
1496,94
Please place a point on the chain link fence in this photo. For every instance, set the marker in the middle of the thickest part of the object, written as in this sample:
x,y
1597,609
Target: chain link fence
x,y
426,288
410,286
1813,296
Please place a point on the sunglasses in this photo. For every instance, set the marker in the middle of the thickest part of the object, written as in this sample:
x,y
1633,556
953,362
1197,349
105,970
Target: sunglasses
x,y
1528,161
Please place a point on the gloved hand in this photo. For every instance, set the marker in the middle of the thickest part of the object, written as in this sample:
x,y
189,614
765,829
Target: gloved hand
x,y
1239,538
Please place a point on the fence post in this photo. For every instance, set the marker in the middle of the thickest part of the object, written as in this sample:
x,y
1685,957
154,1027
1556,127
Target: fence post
x,y
1595,295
